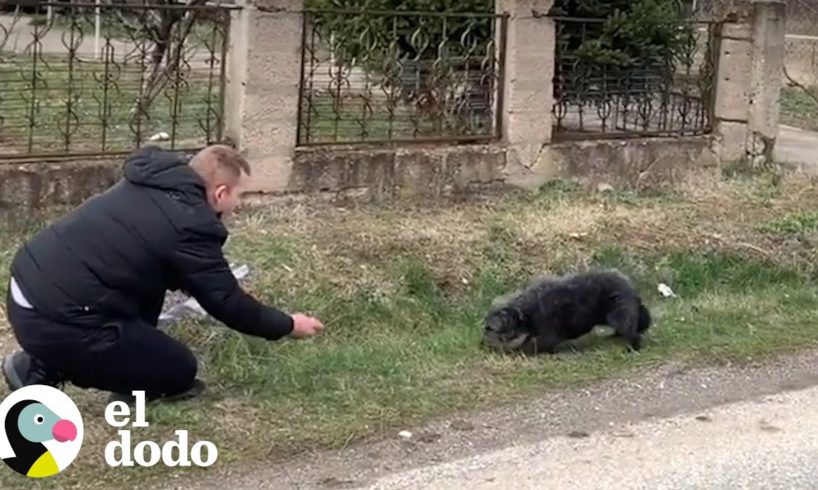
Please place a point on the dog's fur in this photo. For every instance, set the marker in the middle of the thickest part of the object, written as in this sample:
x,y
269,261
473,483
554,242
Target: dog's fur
x,y
553,309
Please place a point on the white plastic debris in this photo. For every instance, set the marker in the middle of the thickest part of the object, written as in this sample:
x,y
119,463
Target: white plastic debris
x,y
405,434
665,290
175,309
241,271
160,136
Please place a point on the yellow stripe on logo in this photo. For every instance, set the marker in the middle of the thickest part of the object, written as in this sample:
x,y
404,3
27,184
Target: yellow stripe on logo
x,y
45,466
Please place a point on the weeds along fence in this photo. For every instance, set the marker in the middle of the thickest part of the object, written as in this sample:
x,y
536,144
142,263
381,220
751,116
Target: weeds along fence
x,y
602,92
85,79
382,76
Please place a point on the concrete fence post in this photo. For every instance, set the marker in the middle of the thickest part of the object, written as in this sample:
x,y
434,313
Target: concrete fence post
x,y
263,88
751,61
236,71
528,95
769,44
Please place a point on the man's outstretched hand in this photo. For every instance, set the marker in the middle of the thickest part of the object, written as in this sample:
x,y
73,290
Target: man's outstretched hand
x,y
305,326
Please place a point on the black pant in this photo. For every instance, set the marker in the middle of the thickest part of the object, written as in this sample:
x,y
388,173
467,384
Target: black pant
x,y
119,356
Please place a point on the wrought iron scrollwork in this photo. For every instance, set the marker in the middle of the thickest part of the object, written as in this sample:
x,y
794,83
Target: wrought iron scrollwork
x,y
374,77
652,95
101,79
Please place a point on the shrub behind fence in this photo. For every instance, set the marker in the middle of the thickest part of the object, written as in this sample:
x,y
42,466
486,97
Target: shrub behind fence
x,y
601,93
380,76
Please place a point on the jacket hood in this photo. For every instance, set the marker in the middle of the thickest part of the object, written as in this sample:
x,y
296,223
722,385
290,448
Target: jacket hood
x,y
152,166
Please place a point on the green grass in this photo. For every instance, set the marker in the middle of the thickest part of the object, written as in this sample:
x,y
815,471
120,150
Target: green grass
x,y
792,224
402,292
798,109
49,105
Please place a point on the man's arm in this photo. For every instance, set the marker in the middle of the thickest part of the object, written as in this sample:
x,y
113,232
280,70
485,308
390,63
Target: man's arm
x,y
205,274
151,309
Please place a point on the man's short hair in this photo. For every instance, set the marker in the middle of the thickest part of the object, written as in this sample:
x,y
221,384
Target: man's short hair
x,y
221,157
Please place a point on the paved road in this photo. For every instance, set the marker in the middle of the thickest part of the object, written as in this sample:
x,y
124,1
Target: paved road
x,y
798,148
768,444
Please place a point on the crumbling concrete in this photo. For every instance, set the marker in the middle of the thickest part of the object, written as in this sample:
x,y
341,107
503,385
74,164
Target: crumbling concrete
x,y
748,87
43,185
424,173
433,172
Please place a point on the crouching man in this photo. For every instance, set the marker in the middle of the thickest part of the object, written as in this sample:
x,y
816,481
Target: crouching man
x,y
86,292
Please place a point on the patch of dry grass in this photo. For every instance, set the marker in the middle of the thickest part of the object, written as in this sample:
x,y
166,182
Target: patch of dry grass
x,y
717,214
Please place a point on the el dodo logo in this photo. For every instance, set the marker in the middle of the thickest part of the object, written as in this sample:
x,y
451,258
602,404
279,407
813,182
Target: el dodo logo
x,y
41,431
149,453
42,434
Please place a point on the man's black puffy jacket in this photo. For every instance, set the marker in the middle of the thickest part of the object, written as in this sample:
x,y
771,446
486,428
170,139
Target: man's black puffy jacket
x,y
114,256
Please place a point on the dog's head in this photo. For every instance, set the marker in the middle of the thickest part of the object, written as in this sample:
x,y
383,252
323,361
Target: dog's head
x,y
505,329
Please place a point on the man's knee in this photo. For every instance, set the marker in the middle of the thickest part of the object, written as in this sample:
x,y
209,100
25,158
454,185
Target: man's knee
x,y
180,370
167,366
176,376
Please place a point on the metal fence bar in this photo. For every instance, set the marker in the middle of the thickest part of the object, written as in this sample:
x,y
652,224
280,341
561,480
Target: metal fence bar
x,y
157,75
352,13
398,77
669,94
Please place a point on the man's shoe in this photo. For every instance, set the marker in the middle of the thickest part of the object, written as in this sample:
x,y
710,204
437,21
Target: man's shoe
x,y
22,369
197,389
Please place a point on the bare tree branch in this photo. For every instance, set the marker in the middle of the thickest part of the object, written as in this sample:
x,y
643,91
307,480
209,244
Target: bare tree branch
x,y
167,31
796,83
169,49
5,32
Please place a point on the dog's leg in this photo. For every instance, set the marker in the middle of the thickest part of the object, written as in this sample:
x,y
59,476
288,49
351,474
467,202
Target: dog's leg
x,y
547,343
624,320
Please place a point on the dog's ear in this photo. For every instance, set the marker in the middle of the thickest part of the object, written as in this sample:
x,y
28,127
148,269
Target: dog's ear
x,y
521,320
495,319
515,314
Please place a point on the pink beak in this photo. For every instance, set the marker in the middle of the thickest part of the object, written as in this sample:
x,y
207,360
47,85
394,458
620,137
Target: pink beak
x,y
64,430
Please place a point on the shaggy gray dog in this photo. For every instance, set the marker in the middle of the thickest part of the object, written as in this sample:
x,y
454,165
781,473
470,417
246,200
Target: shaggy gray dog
x,y
554,309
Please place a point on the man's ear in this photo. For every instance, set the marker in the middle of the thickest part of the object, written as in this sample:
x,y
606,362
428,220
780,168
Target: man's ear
x,y
220,191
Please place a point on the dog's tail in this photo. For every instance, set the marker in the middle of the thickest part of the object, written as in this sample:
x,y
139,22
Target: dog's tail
x,y
644,318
